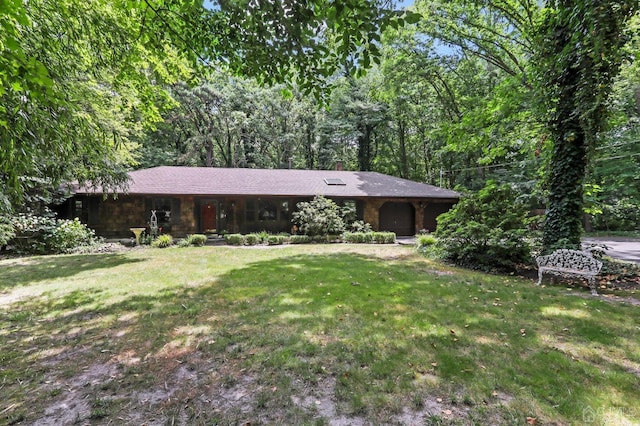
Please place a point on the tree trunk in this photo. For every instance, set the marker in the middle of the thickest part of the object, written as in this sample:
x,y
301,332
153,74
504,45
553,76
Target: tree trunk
x,y
580,51
308,148
364,149
563,225
404,166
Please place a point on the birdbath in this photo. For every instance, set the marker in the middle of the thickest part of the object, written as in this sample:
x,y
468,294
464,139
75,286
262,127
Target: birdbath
x,y
137,232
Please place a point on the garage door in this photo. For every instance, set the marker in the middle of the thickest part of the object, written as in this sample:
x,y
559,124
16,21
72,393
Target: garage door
x,y
432,212
398,218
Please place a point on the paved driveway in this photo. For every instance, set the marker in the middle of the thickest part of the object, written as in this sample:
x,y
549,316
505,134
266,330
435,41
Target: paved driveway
x,y
627,249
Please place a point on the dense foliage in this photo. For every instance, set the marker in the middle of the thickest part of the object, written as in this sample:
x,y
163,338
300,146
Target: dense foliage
x,y
318,217
80,79
6,231
486,230
45,235
579,54
458,93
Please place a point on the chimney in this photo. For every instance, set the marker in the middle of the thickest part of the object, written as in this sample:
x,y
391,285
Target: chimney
x,y
339,166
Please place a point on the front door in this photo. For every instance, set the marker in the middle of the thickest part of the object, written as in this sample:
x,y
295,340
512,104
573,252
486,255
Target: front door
x,y
208,215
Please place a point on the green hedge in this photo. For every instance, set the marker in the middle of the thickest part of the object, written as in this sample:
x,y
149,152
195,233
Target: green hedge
x,y
299,239
370,237
252,239
276,240
234,239
197,240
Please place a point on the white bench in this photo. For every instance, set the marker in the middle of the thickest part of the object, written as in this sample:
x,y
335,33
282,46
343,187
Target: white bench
x,y
570,263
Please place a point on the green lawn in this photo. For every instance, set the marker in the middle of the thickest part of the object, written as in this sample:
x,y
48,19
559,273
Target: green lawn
x,y
325,334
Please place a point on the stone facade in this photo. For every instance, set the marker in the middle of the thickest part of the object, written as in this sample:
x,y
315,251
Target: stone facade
x,y
114,217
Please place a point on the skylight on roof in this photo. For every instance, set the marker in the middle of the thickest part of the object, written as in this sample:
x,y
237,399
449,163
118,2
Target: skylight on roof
x,y
334,181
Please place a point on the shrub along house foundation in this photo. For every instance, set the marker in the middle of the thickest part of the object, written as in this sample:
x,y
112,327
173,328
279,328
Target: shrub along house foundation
x,y
190,200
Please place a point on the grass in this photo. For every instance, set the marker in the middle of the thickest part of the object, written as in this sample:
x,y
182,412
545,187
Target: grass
x,y
306,335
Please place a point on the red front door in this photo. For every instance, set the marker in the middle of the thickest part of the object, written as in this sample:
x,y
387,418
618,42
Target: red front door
x,y
208,214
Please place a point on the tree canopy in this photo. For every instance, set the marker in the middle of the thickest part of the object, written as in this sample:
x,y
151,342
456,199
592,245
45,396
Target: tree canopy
x,y
457,93
80,78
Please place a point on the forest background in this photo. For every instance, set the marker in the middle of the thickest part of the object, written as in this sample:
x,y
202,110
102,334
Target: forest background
x,y
448,94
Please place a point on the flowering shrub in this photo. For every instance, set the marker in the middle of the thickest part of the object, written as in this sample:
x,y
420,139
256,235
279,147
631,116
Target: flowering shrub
x,y
320,216
68,235
6,231
42,234
360,226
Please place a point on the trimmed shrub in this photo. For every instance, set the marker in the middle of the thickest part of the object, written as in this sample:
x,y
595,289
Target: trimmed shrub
x,y
252,239
197,240
486,230
276,240
370,237
354,237
299,239
234,239
184,243
384,237
320,216
163,241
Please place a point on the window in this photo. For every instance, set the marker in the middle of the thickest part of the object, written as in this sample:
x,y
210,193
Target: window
x,y
332,181
162,206
81,210
267,210
250,210
284,211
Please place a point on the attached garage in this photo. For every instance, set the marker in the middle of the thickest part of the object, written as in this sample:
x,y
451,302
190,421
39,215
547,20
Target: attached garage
x,y
398,217
431,213
192,200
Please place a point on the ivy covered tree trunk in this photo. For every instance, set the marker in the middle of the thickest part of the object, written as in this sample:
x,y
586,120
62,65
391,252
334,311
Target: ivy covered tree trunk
x,y
563,225
579,55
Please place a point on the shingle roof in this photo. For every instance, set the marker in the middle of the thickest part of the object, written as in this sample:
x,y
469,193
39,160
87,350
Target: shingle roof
x,y
171,180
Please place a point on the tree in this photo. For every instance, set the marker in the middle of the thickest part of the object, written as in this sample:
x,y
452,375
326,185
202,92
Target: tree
x,y
229,121
464,119
78,82
580,52
78,77
567,52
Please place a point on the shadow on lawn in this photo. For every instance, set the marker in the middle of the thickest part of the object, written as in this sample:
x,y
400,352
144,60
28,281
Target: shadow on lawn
x,y
22,271
283,328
